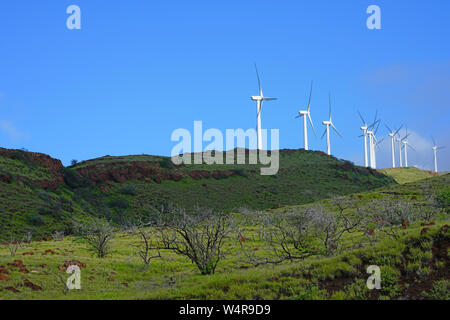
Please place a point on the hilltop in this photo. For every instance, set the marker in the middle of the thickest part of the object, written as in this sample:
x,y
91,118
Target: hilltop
x,y
39,194
410,174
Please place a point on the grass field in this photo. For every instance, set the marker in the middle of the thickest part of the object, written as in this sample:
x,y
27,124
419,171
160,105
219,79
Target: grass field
x,y
414,266
405,175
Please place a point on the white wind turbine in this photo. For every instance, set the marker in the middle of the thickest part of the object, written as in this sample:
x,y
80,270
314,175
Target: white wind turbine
x,y
364,128
374,143
304,114
368,132
259,101
435,149
393,134
406,144
327,130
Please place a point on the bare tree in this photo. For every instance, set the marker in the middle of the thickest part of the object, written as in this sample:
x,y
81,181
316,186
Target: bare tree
x,y
147,243
289,237
13,245
302,233
390,215
329,227
97,233
198,235
58,235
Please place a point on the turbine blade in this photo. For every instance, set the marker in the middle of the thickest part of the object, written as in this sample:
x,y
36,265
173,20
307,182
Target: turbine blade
x,y
329,102
376,130
389,129
362,119
373,124
259,81
376,114
410,146
312,125
398,130
336,130
439,148
269,99
323,135
298,116
434,142
310,93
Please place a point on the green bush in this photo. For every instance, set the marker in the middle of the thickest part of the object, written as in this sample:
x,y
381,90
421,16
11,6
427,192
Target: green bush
x,y
439,291
444,199
129,189
35,219
119,203
166,163
73,179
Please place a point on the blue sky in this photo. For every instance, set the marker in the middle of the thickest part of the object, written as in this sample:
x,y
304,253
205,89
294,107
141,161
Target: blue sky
x,y
137,70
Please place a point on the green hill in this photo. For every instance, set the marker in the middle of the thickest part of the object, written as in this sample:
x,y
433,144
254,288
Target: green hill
x,y
38,194
413,266
405,175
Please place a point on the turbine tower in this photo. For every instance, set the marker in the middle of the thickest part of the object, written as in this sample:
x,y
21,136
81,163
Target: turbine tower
x,y
327,130
435,149
393,134
406,144
400,145
259,102
374,144
364,128
369,132
304,114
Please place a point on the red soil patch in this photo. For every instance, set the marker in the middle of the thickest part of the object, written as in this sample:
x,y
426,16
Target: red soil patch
x,y
17,264
31,285
4,270
71,263
12,289
28,253
4,278
48,251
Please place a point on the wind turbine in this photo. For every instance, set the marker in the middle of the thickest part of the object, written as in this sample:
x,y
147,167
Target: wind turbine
x,y
372,139
259,101
374,143
364,128
393,134
304,113
406,144
435,149
327,130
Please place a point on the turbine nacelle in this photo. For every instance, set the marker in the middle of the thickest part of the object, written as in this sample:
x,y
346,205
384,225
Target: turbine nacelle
x,y
303,113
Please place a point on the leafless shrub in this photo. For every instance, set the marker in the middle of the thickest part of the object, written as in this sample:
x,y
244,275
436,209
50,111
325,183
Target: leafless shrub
x,y
97,233
198,235
289,237
28,236
58,235
147,243
13,245
390,215
302,233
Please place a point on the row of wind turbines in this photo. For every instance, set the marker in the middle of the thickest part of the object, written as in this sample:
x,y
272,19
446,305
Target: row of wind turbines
x,y
369,132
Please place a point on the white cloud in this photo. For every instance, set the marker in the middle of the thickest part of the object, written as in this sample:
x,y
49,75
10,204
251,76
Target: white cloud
x,y
11,131
421,157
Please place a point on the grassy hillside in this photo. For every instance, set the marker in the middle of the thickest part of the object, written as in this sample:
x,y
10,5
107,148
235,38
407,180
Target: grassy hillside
x,y
414,266
39,195
405,175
